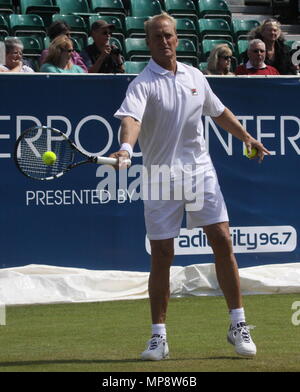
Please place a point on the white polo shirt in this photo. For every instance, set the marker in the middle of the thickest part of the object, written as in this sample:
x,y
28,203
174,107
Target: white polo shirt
x,y
169,108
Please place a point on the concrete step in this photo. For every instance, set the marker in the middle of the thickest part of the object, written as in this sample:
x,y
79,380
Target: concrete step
x,y
258,17
235,2
291,29
292,37
258,2
245,9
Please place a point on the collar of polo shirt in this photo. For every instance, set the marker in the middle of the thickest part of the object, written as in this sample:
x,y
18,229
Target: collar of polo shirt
x,y
162,71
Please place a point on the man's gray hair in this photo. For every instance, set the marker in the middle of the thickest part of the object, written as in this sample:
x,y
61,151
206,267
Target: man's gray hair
x,y
255,42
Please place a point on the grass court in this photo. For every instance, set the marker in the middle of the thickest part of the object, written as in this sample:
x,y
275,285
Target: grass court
x,y
109,336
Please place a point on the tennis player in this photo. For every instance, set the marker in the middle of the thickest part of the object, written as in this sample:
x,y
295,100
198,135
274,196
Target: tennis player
x,y
162,109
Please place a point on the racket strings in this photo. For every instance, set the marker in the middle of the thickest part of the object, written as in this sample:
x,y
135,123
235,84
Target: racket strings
x,y
34,144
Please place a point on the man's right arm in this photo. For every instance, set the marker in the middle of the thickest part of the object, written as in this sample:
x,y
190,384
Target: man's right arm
x,y
130,129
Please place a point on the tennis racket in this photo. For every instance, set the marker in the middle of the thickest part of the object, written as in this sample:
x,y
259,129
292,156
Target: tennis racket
x,y
34,142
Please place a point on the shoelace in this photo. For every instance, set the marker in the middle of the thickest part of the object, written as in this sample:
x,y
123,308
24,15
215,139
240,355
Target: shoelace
x,y
154,342
244,331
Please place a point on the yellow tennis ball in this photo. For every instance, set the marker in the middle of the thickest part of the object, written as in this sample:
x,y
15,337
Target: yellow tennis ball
x,y
252,154
49,158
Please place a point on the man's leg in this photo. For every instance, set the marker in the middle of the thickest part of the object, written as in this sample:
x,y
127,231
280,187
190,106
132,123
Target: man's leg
x,y
228,277
226,266
162,253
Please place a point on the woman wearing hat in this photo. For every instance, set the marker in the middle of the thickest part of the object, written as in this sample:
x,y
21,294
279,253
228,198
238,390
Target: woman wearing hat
x,y
101,57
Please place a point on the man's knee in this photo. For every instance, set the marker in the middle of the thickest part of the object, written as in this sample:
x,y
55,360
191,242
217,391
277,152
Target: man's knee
x,y
218,236
162,249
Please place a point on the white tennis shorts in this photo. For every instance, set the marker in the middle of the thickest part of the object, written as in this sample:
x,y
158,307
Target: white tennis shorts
x,y
163,218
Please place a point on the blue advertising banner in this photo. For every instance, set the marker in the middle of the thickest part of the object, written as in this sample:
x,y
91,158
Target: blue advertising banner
x,y
76,221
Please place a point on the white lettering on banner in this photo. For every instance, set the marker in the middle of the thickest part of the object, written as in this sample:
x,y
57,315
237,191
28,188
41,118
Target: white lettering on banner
x,y
4,136
296,55
248,239
296,315
290,124
227,147
2,314
19,128
108,128
291,139
72,197
67,131
262,135
67,197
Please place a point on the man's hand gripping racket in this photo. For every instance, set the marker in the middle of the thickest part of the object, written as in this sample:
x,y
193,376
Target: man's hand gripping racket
x,y
44,153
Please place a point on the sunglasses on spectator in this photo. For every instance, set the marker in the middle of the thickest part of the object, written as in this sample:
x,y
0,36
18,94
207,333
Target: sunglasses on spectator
x,y
258,50
225,57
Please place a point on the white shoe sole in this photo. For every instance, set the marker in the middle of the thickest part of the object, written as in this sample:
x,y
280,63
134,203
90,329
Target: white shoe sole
x,y
241,351
153,358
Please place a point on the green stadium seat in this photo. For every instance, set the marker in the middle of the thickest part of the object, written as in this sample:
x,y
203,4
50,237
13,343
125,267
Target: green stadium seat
x,y
136,49
4,27
73,6
78,43
241,28
215,29
43,8
27,24
203,66
242,46
180,7
134,26
214,9
6,7
186,29
108,7
134,67
145,7
76,22
186,51
209,44
46,42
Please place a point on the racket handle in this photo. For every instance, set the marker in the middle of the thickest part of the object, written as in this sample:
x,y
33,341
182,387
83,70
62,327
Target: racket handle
x,y
111,161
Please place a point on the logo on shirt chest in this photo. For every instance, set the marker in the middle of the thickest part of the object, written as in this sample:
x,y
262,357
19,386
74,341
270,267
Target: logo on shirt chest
x,y
194,91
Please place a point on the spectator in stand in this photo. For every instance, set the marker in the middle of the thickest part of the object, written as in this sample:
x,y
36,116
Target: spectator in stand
x,y
62,28
277,52
101,56
14,57
59,58
219,61
256,63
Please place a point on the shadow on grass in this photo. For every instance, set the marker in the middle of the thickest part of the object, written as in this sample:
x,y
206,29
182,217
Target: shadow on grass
x,y
107,361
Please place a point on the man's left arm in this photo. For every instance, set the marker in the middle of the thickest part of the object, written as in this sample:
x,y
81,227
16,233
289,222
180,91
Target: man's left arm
x,y
228,121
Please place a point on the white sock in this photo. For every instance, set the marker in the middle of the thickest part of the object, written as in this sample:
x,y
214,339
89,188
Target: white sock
x,y
237,316
159,329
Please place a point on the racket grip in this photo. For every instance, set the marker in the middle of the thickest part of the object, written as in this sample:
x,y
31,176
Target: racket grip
x,y
111,161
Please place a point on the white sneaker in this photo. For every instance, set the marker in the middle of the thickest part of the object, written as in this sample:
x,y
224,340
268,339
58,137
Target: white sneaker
x,y
157,349
240,338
